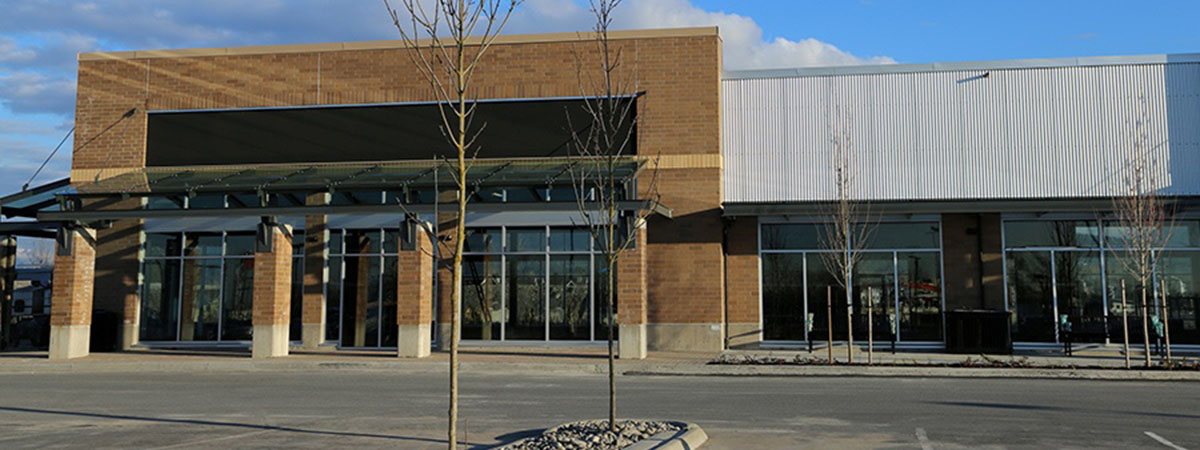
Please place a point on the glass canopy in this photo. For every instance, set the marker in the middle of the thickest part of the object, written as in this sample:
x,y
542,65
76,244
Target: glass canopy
x,y
331,177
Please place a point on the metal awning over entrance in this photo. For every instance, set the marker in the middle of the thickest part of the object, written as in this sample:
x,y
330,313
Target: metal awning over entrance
x,y
294,181
20,210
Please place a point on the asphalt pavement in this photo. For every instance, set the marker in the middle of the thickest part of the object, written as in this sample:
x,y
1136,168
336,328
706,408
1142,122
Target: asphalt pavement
x,y
338,408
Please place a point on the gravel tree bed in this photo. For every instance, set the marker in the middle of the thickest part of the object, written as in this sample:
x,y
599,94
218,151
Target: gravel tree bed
x,y
591,434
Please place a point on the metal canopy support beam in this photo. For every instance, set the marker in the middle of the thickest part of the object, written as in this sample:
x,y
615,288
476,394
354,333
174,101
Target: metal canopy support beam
x,y
37,190
29,229
86,216
27,211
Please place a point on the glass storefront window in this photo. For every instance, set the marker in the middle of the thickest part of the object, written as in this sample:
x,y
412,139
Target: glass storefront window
x,y
526,298
792,236
783,296
570,297
526,240
570,240
160,300
201,302
482,240
823,289
1052,233
905,235
877,271
920,281
360,301
163,244
202,244
237,307
1031,296
902,287
1180,272
481,297
362,242
240,244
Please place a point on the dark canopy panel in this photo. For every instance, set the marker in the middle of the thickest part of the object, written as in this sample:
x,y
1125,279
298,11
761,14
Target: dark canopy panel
x,y
514,129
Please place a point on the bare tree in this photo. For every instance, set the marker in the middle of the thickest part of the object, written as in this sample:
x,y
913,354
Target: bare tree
x,y
448,62
603,144
40,254
1143,215
848,228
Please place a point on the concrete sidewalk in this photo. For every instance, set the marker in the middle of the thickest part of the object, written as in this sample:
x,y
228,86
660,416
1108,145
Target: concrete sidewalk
x,y
1102,365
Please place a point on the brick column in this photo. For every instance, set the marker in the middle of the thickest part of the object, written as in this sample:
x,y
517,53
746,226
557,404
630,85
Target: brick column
x,y
414,297
316,253
71,298
631,299
272,293
8,277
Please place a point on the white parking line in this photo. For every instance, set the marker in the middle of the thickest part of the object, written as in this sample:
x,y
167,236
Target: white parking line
x,y
923,439
1164,441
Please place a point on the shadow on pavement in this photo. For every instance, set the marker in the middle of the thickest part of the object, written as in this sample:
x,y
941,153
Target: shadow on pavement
x,y
515,436
224,424
1063,409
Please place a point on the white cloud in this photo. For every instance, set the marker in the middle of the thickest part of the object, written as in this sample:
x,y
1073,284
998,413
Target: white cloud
x,y
32,92
745,47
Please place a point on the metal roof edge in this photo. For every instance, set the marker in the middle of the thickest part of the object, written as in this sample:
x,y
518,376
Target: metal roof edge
x,y
503,39
1009,64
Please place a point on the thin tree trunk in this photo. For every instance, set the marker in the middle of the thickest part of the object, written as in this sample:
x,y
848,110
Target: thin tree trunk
x,y
1125,323
1166,318
612,376
460,232
849,318
870,328
1145,325
829,320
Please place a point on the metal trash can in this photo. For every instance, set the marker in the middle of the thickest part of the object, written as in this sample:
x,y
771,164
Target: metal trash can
x,y
978,331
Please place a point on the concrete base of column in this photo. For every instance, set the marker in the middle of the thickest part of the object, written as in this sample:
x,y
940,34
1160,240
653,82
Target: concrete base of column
x,y
270,341
70,341
632,344
312,335
443,337
414,341
129,336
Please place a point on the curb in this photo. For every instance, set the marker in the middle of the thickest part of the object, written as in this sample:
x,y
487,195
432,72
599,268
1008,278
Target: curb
x,y
399,366
915,372
692,437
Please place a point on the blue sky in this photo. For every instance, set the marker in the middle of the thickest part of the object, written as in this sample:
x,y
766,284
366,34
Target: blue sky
x,y
40,38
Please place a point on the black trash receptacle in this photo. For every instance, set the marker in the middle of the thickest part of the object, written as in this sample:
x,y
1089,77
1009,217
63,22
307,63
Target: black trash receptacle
x,y
978,331
105,327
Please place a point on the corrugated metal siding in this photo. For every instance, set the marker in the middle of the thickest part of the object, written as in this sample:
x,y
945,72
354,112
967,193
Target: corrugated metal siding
x,y
1060,132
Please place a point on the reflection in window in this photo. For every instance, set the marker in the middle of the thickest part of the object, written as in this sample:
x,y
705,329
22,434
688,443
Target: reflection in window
x,y
238,302
570,297
1031,296
160,300
526,295
902,287
783,297
481,297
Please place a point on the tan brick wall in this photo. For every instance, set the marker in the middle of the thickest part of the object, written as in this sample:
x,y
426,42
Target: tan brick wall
x,y
74,281
273,282
742,270
414,276
679,114
117,263
631,279
316,252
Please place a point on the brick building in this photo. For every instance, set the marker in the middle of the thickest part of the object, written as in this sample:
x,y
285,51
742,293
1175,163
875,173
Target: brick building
x,y
252,197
